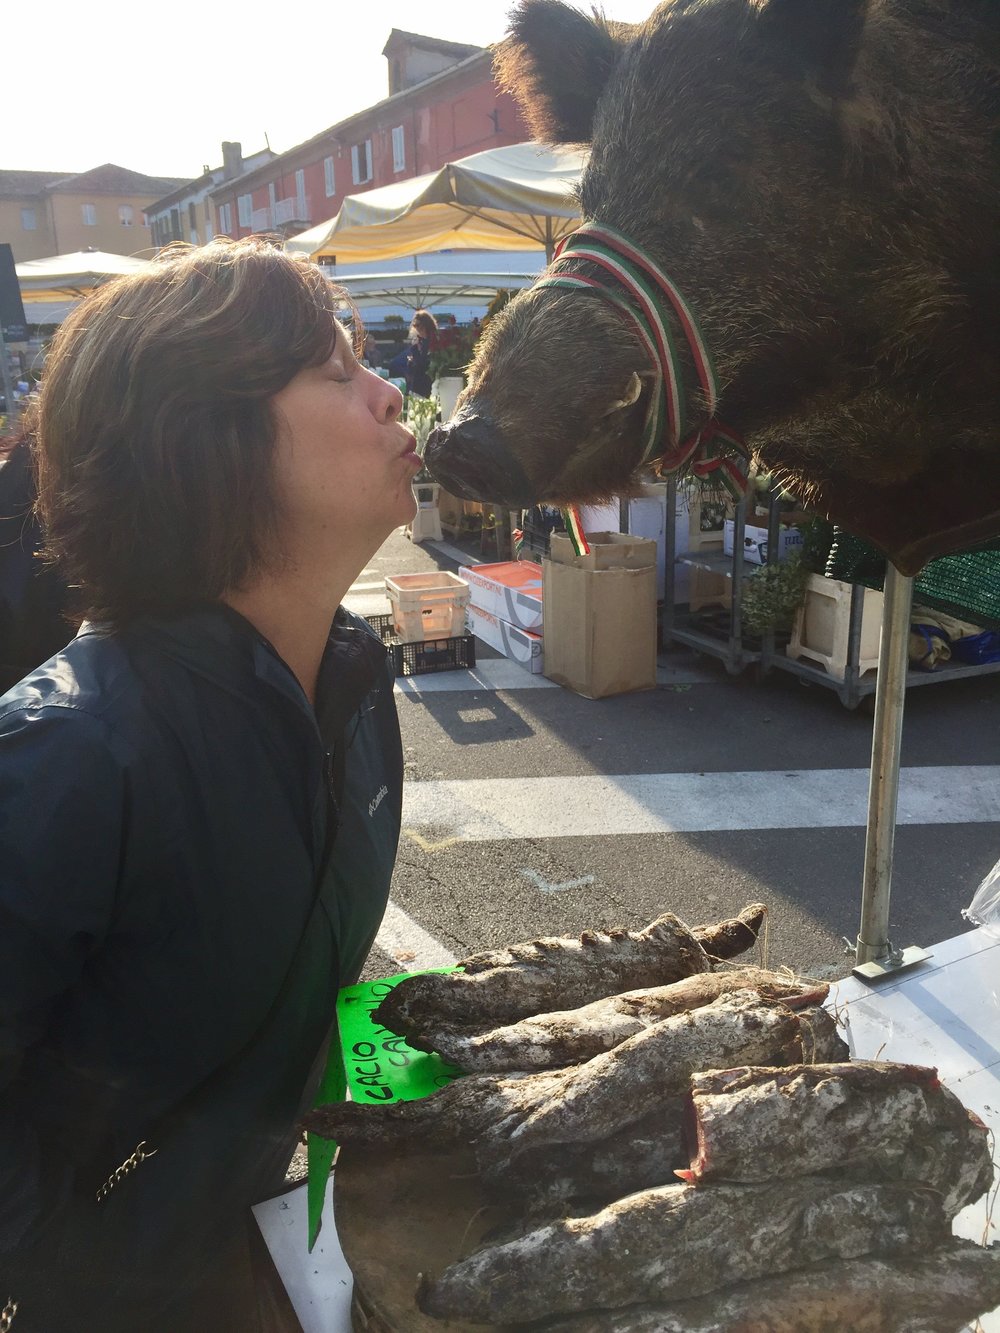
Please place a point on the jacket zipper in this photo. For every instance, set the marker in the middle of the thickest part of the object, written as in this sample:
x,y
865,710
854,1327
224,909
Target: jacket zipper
x,y
130,1163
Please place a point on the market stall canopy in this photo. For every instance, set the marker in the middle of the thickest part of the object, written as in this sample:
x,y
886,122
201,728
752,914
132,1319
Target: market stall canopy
x,y
67,277
516,198
419,290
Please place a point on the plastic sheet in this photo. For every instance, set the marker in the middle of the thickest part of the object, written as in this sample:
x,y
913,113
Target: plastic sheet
x,y
984,910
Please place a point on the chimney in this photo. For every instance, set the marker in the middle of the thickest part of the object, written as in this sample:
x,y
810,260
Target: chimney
x,y
232,160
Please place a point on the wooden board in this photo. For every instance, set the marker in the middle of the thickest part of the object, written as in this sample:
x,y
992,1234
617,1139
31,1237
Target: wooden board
x,y
401,1213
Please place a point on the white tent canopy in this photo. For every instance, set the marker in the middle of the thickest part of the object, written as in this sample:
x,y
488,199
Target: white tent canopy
x,y
67,277
420,290
514,198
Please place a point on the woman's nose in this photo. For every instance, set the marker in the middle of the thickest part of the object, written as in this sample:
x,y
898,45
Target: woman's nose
x,y
393,401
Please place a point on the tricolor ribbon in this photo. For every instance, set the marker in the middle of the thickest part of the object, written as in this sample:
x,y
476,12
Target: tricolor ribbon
x,y
574,530
645,297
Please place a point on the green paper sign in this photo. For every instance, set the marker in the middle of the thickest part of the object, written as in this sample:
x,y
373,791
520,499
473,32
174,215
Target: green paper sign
x,y
376,1065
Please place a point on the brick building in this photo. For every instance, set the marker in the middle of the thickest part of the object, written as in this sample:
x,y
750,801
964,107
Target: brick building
x,y
443,104
187,213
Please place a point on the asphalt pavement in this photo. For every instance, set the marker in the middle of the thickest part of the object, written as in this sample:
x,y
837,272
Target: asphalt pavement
x,y
530,810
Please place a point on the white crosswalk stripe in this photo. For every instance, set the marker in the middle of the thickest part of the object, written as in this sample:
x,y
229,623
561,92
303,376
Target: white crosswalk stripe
x,y
492,809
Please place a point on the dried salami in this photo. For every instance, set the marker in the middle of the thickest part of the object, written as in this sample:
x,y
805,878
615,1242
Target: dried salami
x,y
872,1119
678,1242
943,1291
642,1155
503,985
571,1036
601,1097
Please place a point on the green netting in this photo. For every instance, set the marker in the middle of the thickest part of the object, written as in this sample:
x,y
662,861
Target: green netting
x,y
966,586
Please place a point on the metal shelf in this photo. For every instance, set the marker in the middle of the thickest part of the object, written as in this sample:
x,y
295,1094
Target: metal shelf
x,y
730,647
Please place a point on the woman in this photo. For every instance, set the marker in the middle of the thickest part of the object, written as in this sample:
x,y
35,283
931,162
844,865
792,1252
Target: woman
x,y
423,341
193,857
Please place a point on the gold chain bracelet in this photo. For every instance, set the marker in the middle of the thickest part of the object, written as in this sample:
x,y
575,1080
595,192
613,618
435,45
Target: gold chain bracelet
x,y
120,1173
7,1315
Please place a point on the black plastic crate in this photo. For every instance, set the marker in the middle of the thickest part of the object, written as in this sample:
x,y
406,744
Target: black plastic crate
x,y
424,655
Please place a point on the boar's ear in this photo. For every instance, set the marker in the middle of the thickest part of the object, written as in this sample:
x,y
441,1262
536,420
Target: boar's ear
x,y
556,62
822,35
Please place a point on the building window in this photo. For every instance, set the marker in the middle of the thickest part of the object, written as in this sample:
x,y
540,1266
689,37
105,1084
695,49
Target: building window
x,y
398,149
89,215
300,193
329,177
192,216
125,215
29,221
244,209
361,162
226,219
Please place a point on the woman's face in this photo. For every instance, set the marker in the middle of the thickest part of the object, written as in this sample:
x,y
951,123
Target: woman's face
x,y
343,461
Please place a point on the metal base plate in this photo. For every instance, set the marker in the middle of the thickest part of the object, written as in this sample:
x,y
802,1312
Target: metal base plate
x,y
879,968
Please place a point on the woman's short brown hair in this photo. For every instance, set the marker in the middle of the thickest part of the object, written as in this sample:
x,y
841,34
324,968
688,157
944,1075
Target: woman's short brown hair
x,y
155,438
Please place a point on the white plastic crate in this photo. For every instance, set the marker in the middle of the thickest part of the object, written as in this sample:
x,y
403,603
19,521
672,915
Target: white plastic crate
x,y
427,606
823,621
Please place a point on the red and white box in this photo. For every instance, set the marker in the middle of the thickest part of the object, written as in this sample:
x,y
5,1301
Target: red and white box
x,y
520,645
511,591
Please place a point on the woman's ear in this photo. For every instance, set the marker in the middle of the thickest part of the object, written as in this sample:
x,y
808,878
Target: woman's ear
x,y
556,62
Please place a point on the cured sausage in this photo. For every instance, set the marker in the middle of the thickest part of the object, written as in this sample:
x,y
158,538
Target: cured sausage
x,y
874,1119
570,1036
503,985
597,1099
942,1291
677,1242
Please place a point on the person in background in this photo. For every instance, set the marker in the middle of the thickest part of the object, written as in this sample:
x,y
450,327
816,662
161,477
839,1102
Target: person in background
x,y
200,795
423,341
370,355
34,620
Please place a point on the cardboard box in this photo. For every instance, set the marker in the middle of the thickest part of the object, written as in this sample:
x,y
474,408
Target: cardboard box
x,y
755,542
608,550
600,627
510,590
647,517
520,645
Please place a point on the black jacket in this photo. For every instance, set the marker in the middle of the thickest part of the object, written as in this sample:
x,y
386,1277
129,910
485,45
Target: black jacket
x,y
171,944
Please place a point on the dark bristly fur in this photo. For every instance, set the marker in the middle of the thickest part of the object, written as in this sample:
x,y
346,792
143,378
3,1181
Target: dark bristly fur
x,y
821,181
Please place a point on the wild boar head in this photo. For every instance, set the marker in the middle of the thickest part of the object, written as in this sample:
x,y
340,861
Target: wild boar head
x,y
800,169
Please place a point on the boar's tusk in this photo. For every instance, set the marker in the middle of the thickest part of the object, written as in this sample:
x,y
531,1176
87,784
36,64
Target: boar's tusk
x,y
632,391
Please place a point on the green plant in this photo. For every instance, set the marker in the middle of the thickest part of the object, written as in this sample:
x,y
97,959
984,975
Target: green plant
x,y
772,594
449,361
421,415
502,298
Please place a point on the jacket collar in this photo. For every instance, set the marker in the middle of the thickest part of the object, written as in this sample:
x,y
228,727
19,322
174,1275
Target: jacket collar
x,y
216,642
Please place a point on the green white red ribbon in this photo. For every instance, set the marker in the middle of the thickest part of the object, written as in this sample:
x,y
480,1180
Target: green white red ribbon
x,y
711,449
574,530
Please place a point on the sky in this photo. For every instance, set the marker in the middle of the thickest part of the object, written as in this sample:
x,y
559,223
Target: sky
x,y
115,82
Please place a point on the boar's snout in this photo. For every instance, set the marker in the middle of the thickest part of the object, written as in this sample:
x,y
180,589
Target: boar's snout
x,y
470,459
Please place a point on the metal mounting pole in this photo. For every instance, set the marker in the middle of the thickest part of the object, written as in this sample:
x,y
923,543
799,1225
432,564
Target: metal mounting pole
x,y
875,955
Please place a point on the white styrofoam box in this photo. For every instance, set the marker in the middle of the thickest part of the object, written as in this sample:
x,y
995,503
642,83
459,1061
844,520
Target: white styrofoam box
x,y
520,645
511,590
755,542
647,517
822,625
